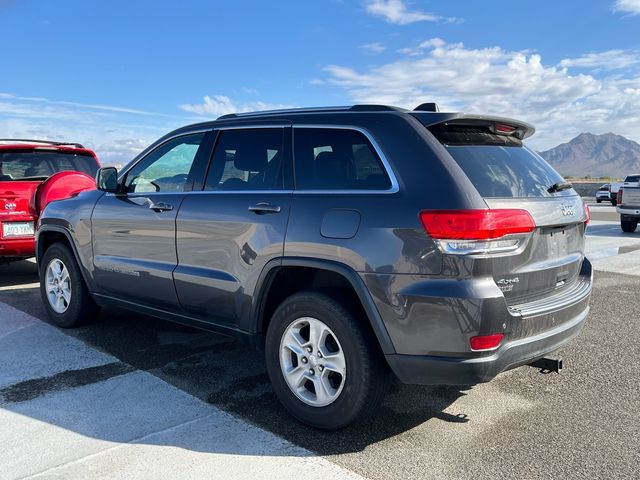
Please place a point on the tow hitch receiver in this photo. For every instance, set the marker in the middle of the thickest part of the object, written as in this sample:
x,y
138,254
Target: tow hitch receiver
x,y
548,364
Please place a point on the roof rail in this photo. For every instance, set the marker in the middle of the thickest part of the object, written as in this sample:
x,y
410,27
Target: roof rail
x,y
353,108
47,142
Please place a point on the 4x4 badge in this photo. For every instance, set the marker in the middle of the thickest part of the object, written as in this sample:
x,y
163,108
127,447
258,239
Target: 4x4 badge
x,y
10,206
567,210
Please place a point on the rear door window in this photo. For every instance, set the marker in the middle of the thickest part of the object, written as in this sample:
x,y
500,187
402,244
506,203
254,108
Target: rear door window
x,y
337,159
247,159
499,166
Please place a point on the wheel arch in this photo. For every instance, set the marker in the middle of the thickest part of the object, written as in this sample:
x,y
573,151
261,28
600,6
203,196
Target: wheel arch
x,y
263,292
49,235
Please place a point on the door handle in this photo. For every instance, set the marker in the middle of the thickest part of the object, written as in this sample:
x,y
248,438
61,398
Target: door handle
x,y
160,207
263,208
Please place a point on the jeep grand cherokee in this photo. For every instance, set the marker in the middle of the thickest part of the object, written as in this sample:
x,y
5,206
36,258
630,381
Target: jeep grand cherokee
x,y
348,242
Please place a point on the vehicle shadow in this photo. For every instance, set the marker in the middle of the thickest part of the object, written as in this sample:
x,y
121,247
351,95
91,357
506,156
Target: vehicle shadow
x,y
16,274
224,373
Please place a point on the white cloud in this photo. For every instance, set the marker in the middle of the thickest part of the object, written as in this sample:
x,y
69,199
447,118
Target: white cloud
x,y
121,150
374,48
395,11
217,105
627,6
502,82
609,60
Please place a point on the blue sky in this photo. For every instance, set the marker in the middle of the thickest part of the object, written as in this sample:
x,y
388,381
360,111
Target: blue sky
x,y
118,74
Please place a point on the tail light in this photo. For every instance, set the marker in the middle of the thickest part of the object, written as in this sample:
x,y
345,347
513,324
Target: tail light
x,y
485,342
466,232
619,197
587,212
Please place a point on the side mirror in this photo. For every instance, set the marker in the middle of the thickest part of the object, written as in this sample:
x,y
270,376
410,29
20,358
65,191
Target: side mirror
x,y
107,179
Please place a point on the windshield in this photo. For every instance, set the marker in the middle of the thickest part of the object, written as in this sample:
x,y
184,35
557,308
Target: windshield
x,y
33,165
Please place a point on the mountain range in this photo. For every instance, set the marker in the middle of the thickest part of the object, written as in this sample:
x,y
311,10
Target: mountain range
x,y
596,156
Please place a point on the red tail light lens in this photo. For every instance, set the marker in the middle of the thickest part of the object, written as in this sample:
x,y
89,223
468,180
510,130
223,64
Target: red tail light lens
x,y
485,342
587,212
619,197
476,224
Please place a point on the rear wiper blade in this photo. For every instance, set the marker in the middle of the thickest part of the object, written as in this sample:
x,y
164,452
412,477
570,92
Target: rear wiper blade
x,y
558,187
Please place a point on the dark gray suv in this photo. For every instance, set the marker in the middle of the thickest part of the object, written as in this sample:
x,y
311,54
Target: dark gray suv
x,y
348,242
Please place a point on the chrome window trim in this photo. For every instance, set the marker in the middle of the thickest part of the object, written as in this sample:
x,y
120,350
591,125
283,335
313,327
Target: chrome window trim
x,y
123,173
395,188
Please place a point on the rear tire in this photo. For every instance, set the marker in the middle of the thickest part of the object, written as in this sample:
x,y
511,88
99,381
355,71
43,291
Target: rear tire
x,y
64,293
613,202
629,226
599,201
351,388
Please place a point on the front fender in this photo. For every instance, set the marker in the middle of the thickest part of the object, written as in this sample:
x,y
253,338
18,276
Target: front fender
x,y
72,219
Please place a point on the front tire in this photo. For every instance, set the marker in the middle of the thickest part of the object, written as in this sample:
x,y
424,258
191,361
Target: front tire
x,y
628,226
64,293
599,201
324,365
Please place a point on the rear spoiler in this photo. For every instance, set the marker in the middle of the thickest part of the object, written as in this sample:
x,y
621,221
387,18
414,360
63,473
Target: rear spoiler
x,y
521,130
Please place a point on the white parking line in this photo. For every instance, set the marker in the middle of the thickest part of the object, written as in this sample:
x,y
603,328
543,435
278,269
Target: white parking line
x,y
24,286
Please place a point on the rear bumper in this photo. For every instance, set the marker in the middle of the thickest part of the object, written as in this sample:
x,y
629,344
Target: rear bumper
x,y
629,211
431,338
23,247
431,370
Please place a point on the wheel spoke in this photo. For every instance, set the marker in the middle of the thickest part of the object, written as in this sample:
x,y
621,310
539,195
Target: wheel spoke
x,y
296,375
64,275
317,334
335,362
60,304
66,294
322,394
294,342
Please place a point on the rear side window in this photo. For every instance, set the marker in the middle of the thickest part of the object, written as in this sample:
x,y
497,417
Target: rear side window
x,y
337,159
247,160
32,165
499,166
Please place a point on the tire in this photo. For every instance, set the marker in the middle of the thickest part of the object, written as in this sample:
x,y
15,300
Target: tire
x,y
598,200
629,226
349,397
59,270
613,202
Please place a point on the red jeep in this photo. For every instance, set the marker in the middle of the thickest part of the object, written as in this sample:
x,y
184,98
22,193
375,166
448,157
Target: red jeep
x,y
32,174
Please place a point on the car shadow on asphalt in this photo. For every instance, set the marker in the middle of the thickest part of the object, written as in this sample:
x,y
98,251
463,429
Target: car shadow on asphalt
x,y
15,274
227,374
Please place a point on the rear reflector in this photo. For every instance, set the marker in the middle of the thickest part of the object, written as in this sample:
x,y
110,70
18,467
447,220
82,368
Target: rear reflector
x,y
485,342
476,224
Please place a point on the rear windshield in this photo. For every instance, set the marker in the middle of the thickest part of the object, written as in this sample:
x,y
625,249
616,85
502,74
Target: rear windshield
x,y
33,165
500,166
632,178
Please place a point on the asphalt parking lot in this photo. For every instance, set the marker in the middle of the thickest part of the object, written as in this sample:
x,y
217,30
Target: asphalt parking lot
x,y
583,423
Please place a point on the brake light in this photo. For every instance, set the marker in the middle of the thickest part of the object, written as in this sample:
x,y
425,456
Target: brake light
x,y
473,232
619,197
587,212
476,224
485,342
